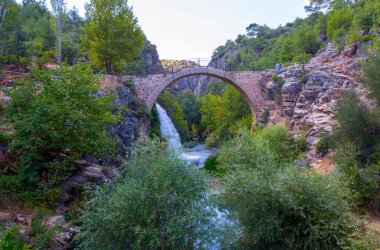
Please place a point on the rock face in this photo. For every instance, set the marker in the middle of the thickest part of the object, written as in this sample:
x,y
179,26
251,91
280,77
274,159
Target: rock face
x,y
311,91
150,55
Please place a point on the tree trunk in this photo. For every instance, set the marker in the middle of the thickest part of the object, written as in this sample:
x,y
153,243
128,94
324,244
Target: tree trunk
x,y
3,11
59,28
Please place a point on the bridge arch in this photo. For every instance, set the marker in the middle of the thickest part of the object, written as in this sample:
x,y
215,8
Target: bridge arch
x,y
240,80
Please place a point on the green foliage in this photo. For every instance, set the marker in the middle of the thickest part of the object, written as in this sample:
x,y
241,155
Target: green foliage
x,y
111,34
55,119
344,22
368,16
191,109
323,144
222,116
278,206
284,209
159,203
272,145
361,180
358,125
372,76
29,32
40,232
356,142
211,164
10,239
339,23
154,123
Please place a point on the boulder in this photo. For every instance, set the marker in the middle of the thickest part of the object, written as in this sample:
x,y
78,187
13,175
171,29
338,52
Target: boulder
x,y
350,51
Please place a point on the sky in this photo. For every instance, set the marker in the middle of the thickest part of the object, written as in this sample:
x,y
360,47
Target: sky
x,y
185,29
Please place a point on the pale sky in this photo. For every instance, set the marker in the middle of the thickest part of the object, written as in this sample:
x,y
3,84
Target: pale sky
x,y
184,29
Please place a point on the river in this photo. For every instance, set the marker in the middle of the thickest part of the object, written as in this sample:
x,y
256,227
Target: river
x,y
196,156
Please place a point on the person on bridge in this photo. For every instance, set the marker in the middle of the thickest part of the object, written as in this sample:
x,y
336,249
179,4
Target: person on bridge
x,y
278,66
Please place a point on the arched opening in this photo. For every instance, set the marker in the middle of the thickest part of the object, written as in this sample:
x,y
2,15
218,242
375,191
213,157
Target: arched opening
x,y
201,71
244,108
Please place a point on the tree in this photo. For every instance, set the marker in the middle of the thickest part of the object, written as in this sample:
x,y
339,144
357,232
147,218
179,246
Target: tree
x,y
111,34
4,5
59,8
55,119
159,203
317,5
256,30
372,76
339,23
222,116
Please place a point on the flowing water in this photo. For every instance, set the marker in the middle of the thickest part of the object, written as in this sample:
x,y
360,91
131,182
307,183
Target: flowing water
x,y
197,156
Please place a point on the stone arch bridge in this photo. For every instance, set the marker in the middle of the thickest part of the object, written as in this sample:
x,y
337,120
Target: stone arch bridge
x,y
149,87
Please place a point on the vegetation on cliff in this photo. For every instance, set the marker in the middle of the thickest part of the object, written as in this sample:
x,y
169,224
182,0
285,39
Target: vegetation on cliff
x,y
344,23
55,119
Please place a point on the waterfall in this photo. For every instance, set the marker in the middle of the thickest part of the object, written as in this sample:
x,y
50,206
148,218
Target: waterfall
x,y
168,129
196,155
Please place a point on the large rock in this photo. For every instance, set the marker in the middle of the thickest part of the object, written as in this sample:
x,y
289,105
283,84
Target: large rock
x,y
150,55
89,174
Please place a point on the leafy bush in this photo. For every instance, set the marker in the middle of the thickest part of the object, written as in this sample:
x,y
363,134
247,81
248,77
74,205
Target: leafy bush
x,y
211,164
284,209
55,119
40,232
271,146
372,76
360,180
323,144
154,123
160,203
11,240
358,125
356,142
368,16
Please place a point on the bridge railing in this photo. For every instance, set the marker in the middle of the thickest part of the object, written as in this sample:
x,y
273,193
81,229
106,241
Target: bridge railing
x,y
173,70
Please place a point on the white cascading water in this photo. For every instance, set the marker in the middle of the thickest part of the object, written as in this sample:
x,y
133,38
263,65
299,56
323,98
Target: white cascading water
x,y
197,156
168,129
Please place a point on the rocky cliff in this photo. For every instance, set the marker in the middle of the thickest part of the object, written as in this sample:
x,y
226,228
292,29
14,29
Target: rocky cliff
x,y
303,96
151,58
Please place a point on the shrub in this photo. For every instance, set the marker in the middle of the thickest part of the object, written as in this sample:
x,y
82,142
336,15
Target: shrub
x,y
211,164
160,203
284,209
323,144
40,232
11,240
360,180
270,146
372,76
154,123
55,119
357,125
